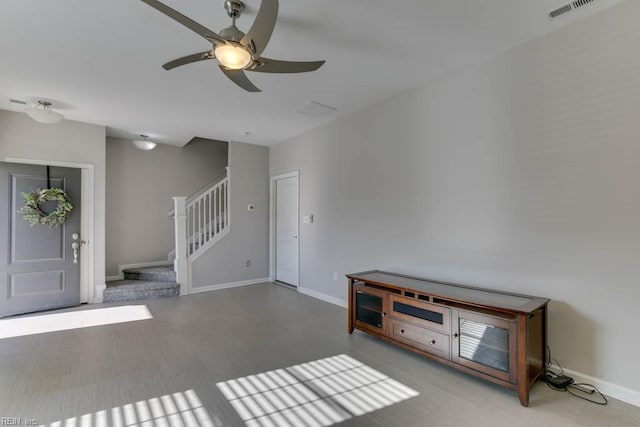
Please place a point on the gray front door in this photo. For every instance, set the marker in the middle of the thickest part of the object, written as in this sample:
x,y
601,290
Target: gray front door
x,y
37,269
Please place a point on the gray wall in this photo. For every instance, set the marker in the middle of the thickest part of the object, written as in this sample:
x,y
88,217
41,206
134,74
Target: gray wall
x,y
248,239
67,141
520,174
140,187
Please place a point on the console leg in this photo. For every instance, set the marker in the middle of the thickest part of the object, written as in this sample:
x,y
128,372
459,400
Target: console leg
x,y
524,394
350,308
523,367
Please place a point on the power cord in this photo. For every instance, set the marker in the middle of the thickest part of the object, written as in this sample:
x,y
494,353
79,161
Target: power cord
x,y
559,381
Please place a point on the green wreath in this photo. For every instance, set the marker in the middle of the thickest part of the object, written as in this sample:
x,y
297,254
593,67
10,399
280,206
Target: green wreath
x,y
33,202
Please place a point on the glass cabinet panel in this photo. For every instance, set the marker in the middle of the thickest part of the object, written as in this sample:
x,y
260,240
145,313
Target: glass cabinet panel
x,y
369,309
421,313
485,344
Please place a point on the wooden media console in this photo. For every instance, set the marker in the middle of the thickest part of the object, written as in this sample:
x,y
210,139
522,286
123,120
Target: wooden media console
x,y
494,335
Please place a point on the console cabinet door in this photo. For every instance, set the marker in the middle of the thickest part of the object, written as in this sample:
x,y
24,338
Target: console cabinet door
x,y
485,343
370,309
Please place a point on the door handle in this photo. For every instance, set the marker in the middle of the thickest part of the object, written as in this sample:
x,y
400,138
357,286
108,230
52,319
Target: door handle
x,y
75,246
295,237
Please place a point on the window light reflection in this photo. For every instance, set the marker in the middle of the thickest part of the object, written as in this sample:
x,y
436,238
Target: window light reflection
x,y
40,324
176,409
318,393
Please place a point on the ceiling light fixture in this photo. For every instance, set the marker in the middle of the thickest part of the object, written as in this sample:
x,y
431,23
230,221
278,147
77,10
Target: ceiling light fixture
x,y
42,112
144,144
233,57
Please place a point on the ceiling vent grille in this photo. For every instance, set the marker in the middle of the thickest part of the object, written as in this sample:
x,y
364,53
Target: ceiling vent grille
x,y
316,109
560,11
580,3
566,8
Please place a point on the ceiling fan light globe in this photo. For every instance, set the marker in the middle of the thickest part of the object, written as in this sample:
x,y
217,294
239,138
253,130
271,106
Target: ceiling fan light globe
x,y
143,144
44,115
233,57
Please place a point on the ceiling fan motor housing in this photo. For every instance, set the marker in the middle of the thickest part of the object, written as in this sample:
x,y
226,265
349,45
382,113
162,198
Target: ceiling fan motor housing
x,y
234,8
232,33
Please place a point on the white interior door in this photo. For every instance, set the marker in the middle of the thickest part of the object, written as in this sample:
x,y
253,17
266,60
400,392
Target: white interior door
x,y
287,230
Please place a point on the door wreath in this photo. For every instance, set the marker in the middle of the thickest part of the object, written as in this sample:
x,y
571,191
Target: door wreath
x,y
33,203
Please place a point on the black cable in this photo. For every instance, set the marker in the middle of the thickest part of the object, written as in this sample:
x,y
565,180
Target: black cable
x,y
594,389
566,384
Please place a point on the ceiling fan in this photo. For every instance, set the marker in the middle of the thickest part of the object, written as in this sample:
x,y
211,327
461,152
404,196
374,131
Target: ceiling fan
x,y
236,51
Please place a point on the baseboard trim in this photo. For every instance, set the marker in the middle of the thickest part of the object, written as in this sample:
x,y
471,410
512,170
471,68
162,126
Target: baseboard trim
x,y
98,297
123,267
323,297
228,285
610,389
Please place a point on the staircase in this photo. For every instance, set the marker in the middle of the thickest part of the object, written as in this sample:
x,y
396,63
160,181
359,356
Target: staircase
x,y
200,221
143,283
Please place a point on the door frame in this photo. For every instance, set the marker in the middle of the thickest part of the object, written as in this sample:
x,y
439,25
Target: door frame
x,y
272,223
87,201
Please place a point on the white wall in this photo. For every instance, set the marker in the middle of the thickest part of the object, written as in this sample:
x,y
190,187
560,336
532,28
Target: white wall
x,y
248,239
520,174
140,187
70,142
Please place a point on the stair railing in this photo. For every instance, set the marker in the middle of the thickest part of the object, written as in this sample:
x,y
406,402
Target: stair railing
x,y
199,223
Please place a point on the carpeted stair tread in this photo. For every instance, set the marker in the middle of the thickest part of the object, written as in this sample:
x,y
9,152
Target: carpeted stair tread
x,y
126,290
163,273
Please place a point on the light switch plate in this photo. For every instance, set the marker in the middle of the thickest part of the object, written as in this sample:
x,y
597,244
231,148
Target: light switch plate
x,y
307,219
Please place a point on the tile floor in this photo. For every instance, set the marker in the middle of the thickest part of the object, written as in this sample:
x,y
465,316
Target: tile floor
x,y
168,370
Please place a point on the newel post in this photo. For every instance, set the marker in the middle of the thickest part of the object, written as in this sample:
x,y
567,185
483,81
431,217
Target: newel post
x,y
180,264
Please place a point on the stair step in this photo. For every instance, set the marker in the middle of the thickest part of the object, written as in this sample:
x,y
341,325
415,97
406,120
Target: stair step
x,y
163,273
127,290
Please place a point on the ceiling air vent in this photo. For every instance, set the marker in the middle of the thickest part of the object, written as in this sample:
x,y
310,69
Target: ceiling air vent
x,y
316,109
560,11
17,101
566,8
580,3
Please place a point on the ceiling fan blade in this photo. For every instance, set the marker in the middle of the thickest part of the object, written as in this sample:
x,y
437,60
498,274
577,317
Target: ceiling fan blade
x,y
186,21
266,65
260,32
241,79
202,56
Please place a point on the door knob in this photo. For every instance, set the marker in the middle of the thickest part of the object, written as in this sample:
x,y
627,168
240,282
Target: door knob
x,y
295,237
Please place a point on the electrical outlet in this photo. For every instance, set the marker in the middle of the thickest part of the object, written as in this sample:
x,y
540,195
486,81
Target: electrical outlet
x,y
335,275
248,263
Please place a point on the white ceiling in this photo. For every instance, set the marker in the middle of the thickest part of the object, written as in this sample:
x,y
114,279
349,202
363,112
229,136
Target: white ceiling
x,y
100,61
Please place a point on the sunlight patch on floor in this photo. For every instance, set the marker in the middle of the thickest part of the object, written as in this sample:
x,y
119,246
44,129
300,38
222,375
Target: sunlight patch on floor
x,y
318,393
177,409
72,320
